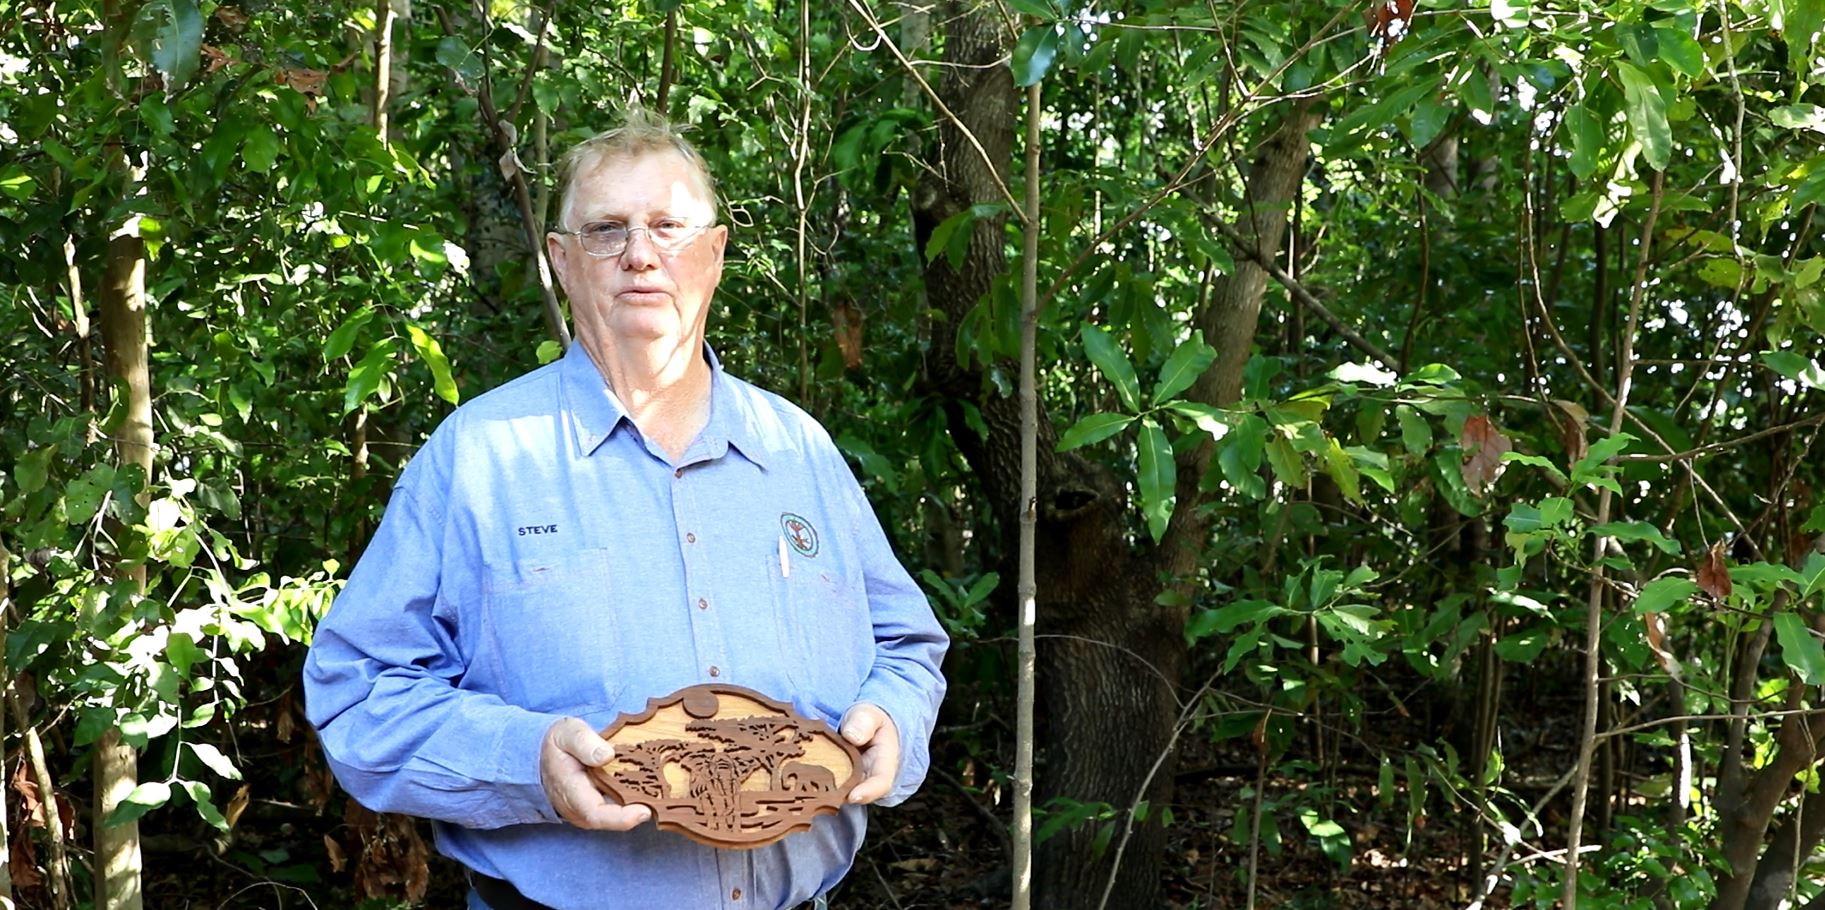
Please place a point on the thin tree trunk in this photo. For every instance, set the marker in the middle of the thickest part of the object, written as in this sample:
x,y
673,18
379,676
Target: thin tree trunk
x,y
122,305
1593,631
1029,518
6,838
116,764
57,862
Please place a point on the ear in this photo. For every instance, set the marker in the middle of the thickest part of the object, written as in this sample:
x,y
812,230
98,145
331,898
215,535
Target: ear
x,y
560,259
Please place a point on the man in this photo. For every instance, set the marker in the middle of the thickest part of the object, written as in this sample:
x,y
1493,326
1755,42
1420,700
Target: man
x,y
612,527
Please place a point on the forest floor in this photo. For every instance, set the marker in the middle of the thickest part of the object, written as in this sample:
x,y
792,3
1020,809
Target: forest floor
x,y
938,850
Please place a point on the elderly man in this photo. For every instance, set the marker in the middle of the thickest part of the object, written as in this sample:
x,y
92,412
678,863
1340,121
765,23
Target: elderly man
x,y
615,526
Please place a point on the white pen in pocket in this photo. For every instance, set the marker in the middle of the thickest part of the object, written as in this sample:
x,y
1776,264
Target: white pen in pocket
x,y
785,562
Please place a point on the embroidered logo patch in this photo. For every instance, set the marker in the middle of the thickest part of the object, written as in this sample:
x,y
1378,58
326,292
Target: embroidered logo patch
x,y
799,533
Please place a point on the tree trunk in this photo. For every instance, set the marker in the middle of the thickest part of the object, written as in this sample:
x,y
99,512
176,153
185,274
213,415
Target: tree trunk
x,y
116,765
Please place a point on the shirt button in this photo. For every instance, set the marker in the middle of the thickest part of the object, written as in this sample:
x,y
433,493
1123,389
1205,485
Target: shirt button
x,y
735,895
678,473
715,672
690,538
703,605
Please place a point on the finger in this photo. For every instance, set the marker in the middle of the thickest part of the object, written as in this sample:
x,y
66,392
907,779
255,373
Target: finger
x,y
861,724
582,743
596,812
874,786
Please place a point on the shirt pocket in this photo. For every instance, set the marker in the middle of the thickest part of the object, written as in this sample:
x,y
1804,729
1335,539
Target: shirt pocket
x,y
555,632
823,626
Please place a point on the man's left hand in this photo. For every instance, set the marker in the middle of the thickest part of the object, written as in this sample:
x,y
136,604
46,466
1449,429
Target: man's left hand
x,y
870,730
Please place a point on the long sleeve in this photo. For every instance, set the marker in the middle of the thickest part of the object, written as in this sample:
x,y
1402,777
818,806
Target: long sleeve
x,y
383,687
909,647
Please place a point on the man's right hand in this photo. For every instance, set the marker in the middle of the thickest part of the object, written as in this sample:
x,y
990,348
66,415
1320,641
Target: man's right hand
x,y
569,750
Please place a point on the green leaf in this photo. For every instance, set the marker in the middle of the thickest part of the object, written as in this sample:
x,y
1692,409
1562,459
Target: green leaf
x,y
453,53
1804,20
1799,117
1523,647
1094,428
182,652
1240,459
1364,374
952,235
177,44
1647,115
433,355
1034,55
1209,418
1187,362
260,149
1795,367
1348,131
212,757
205,806
1343,471
1039,9
1814,575
1109,357
1415,432
1657,595
342,340
1587,140
1638,530
1159,478
1681,51
548,351
144,798
1800,648
83,495
365,379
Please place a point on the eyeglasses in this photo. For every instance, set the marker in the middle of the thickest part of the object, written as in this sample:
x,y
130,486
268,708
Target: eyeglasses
x,y
608,238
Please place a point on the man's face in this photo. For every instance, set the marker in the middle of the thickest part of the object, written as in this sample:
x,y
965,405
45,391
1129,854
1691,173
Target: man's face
x,y
645,294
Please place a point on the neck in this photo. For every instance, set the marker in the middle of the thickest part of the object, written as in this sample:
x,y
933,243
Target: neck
x,y
665,387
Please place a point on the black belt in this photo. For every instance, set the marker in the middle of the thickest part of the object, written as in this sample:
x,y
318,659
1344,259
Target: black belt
x,y
499,894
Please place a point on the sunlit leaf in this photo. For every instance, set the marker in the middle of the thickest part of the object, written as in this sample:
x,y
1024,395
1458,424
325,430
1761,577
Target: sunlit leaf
x,y
1647,115
432,354
1158,478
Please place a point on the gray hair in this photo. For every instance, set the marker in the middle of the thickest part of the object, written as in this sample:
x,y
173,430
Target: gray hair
x,y
641,132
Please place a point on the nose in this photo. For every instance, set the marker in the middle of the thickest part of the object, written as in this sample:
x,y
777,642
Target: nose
x,y
641,254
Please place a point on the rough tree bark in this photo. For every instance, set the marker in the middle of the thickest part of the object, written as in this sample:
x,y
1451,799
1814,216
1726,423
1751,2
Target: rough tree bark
x,y
1110,659
122,306
116,764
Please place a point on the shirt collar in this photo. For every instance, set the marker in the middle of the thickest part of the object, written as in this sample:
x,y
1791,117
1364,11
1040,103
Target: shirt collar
x,y
596,411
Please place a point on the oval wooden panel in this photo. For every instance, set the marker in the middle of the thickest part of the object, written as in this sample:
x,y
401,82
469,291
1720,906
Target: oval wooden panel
x,y
727,766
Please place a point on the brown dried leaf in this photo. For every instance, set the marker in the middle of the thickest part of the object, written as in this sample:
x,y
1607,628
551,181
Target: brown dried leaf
x,y
1484,446
286,725
393,861
1656,627
31,807
214,59
338,859
1571,419
236,806
848,321
306,82
1713,576
232,19
23,862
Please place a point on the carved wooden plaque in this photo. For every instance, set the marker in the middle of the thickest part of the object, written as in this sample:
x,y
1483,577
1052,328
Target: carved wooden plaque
x,y
728,766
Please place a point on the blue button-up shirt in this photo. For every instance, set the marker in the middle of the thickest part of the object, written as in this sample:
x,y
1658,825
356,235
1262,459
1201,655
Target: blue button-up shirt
x,y
540,558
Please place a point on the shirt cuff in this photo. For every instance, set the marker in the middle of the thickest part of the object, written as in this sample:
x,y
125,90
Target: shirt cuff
x,y
516,766
908,716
